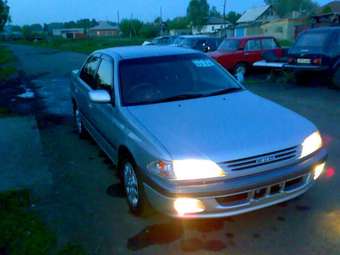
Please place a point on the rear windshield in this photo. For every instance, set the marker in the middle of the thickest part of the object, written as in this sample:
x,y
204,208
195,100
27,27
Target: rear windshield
x,y
230,45
315,40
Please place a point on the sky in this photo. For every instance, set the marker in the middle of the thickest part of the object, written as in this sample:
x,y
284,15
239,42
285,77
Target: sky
x,y
46,11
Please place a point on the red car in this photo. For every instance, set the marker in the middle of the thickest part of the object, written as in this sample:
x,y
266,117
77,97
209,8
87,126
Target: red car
x,y
239,54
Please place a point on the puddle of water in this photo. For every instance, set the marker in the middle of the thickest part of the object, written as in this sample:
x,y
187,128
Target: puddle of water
x,y
155,234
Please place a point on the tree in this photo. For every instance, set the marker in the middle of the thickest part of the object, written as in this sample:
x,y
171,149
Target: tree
x,y
178,23
130,27
4,13
285,7
149,30
197,12
232,17
213,12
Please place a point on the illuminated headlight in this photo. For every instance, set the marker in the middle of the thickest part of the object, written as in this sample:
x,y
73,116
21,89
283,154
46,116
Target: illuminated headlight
x,y
190,169
311,144
185,206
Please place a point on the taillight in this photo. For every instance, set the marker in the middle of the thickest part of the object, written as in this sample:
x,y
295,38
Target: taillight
x,y
317,61
291,60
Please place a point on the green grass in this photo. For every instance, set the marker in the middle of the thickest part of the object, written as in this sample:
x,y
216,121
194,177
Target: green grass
x,y
7,64
22,232
6,72
84,45
6,56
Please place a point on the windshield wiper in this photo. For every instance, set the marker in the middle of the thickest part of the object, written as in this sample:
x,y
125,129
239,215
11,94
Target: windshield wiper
x,y
223,91
179,97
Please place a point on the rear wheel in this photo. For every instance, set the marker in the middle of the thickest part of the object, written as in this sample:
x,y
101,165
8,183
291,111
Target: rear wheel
x,y
78,123
240,71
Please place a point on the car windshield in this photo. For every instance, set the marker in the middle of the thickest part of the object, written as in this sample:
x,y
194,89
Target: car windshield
x,y
229,45
314,40
171,78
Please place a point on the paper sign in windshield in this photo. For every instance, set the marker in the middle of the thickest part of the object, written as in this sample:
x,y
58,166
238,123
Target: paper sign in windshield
x,y
203,63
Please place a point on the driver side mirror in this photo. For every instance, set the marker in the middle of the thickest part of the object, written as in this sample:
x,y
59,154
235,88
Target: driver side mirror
x,y
100,96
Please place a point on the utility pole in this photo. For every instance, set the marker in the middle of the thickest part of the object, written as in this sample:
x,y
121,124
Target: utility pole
x,y
161,19
224,18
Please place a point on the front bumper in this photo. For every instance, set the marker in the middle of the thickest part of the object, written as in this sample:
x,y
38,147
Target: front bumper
x,y
239,195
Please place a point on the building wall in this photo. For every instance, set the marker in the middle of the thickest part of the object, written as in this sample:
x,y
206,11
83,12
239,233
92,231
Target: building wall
x,y
282,29
103,33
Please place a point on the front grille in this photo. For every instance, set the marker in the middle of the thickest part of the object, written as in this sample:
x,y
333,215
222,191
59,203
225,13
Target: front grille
x,y
241,199
260,160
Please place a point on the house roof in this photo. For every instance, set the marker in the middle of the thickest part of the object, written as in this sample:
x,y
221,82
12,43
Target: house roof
x,y
334,5
103,25
216,21
253,14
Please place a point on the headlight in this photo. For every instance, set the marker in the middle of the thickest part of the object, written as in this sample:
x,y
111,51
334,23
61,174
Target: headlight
x,y
191,169
311,144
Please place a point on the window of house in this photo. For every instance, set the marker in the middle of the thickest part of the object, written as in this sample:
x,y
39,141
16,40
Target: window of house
x,y
253,45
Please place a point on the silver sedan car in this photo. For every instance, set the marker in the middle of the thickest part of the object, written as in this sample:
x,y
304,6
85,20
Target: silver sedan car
x,y
187,138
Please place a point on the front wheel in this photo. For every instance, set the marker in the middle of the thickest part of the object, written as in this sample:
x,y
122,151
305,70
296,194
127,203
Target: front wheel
x,y
133,187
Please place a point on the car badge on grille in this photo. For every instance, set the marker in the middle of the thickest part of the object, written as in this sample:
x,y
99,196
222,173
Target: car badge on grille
x,y
265,159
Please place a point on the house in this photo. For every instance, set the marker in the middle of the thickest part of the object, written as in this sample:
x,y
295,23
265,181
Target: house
x,y
328,15
69,33
213,26
104,29
283,29
250,22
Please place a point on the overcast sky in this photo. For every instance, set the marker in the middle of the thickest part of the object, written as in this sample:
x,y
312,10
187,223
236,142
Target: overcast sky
x,y
45,11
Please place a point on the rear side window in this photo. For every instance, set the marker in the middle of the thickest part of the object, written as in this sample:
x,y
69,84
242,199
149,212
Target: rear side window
x,y
253,45
104,77
269,44
88,73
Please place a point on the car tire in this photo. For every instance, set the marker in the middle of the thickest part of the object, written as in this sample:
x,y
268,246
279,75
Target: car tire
x,y
240,71
336,78
133,187
78,123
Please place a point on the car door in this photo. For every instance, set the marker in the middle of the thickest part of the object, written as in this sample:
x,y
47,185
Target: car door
x,y
86,82
270,44
253,51
106,116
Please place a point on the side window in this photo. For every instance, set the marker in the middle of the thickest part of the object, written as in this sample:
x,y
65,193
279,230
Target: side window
x,y
253,45
104,77
269,44
88,72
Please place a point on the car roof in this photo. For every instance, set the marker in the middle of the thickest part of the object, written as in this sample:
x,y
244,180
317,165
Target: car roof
x,y
250,37
323,29
195,36
132,52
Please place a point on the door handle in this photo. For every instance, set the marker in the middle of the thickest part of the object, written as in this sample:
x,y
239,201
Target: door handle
x,y
90,106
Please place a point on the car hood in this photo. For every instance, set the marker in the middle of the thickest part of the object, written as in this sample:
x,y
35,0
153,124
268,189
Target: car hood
x,y
223,128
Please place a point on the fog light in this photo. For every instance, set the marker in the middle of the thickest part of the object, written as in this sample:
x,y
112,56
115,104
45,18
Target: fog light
x,y
188,205
318,169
